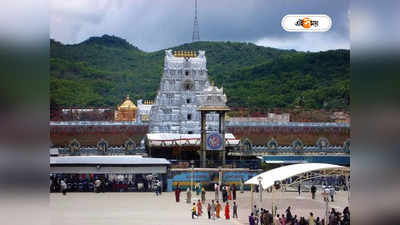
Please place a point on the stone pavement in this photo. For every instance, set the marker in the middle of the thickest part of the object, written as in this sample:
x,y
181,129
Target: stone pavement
x,y
149,209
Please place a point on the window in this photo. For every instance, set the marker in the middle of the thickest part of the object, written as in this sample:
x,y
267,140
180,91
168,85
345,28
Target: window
x,y
187,73
190,132
188,85
188,100
189,117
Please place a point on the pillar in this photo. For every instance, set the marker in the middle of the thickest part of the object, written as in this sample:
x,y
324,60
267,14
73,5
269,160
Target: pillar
x,y
222,132
203,139
252,198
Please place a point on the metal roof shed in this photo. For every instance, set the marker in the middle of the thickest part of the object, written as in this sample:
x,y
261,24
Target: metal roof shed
x,y
108,165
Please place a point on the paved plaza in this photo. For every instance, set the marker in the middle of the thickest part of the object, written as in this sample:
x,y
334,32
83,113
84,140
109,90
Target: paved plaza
x,y
149,209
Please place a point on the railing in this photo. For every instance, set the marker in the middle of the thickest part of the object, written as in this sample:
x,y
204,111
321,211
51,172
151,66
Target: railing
x,y
96,151
251,164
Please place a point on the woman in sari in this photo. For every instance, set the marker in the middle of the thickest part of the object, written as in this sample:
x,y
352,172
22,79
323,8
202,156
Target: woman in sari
x,y
218,209
199,208
227,216
177,193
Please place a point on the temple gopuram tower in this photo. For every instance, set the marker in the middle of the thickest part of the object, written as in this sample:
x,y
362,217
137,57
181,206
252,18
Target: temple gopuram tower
x,y
184,79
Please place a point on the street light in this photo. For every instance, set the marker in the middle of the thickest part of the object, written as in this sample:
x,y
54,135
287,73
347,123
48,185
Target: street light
x,y
260,187
275,187
191,180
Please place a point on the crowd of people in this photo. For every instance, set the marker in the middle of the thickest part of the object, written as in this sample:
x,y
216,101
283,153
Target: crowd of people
x,y
338,181
214,207
264,217
99,183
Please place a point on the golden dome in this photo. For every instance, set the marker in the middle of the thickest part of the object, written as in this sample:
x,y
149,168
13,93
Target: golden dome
x,y
127,104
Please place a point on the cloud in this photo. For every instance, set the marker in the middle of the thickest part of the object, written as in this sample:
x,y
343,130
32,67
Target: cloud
x,y
157,24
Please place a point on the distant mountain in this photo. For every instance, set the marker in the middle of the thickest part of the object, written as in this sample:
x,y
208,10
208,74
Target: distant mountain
x,y
100,71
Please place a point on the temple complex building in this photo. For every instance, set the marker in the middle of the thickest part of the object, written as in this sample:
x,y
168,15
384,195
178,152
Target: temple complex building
x,y
169,127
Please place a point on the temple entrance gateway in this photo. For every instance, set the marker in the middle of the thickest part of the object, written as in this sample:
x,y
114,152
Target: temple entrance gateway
x,y
213,100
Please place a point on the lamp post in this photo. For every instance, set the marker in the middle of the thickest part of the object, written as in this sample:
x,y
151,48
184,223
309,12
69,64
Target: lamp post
x,y
191,180
325,194
274,188
252,197
260,188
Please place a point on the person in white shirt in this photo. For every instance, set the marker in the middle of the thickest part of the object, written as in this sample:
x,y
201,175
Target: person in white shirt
x,y
97,185
63,187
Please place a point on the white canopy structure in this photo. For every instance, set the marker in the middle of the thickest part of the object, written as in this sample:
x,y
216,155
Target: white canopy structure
x,y
284,172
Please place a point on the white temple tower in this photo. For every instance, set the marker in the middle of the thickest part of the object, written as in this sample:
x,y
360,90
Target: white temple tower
x,y
184,80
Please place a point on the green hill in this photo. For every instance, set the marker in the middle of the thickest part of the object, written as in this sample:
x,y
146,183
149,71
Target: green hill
x,y
100,71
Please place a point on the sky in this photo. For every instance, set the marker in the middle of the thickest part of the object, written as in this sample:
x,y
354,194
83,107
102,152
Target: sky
x,y
152,25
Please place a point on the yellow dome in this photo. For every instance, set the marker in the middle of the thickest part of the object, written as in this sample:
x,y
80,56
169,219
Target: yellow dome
x,y
127,104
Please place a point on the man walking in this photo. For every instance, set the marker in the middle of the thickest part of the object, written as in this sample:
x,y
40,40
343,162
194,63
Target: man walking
x,y
209,211
311,220
299,189
251,219
313,190
332,192
216,188
234,208
234,192
224,194
289,216
194,210
213,209
188,196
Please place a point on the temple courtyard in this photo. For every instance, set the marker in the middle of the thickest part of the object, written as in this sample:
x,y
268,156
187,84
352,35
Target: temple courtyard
x,y
147,208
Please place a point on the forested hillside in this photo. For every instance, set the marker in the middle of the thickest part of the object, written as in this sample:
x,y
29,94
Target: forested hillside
x,y
100,71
